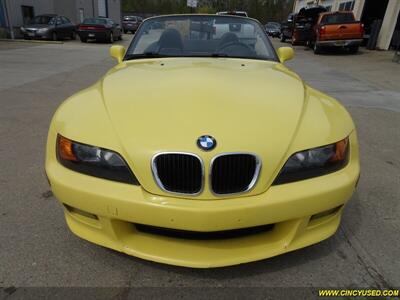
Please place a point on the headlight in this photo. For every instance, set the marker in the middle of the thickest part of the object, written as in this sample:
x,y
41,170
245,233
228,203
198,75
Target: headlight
x,y
93,161
314,162
23,29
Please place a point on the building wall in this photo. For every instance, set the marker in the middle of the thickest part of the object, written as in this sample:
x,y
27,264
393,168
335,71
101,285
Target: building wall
x,y
114,10
113,7
65,8
39,7
87,8
388,25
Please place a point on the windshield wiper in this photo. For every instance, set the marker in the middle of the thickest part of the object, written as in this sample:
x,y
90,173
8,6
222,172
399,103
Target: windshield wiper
x,y
144,55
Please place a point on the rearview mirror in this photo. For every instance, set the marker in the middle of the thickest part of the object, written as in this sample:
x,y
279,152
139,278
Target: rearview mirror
x,y
285,53
117,52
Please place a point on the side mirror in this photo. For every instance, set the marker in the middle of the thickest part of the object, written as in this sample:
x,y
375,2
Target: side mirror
x,y
285,53
117,52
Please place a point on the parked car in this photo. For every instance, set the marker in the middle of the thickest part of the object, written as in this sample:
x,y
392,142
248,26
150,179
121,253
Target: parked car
x,y
49,27
301,27
233,13
273,29
131,23
287,27
99,29
227,157
338,29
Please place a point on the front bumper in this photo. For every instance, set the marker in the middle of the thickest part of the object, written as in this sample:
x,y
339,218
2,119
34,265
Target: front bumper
x,y
274,33
102,35
340,43
129,27
36,35
114,208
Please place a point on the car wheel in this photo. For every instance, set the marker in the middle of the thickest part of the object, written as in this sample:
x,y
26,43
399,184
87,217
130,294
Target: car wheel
x,y
83,40
125,31
73,35
54,36
120,37
317,49
111,38
283,38
353,49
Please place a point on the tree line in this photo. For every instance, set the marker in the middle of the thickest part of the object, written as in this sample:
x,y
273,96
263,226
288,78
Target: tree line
x,y
263,10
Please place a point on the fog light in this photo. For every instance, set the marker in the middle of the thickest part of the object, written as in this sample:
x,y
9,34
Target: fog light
x,y
326,213
80,212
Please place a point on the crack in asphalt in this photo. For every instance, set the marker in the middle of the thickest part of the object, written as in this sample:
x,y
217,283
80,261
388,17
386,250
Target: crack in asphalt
x,y
373,272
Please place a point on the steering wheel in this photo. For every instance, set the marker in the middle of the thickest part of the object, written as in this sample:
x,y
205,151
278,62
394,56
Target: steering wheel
x,y
236,47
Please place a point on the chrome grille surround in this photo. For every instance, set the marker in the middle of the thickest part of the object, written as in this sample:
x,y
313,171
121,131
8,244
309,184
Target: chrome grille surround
x,y
252,182
159,181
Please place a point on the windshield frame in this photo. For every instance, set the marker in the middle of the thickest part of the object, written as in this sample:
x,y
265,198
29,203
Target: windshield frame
x,y
140,30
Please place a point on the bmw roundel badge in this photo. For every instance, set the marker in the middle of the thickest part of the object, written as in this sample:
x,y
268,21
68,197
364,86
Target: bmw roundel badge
x,y
206,143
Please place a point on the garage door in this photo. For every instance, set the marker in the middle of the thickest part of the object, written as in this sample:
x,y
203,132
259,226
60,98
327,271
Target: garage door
x,y
102,5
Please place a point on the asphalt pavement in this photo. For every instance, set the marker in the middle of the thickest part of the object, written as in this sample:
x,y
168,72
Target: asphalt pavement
x,y
37,249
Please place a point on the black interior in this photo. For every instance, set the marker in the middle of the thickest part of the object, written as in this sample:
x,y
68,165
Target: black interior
x,y
171,43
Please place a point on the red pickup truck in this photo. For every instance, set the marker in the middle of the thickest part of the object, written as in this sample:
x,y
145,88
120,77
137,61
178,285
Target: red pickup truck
x,y
338,29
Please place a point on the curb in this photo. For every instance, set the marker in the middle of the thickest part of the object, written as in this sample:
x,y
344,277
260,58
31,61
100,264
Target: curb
x,y
31,41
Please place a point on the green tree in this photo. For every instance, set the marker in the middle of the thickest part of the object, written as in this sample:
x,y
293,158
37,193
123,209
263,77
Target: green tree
x,y
263,10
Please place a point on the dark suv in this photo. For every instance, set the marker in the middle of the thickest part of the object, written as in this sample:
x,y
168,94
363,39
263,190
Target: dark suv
x,y
131,23
49,27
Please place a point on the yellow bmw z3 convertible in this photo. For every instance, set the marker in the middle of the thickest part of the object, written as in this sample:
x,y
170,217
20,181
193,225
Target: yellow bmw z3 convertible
x,y
201,149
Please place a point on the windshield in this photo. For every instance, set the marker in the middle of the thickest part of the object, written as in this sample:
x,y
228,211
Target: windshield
x,y
44,20
337,18
272,26
201,36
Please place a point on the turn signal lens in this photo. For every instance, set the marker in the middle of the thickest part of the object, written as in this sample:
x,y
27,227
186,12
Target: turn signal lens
x,y
65,149
341,150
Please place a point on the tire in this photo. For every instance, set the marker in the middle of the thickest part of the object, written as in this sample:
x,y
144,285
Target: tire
x,y
111,38
283,38
353,49
316,48
54,36
120,37
83,40
73,35
125,31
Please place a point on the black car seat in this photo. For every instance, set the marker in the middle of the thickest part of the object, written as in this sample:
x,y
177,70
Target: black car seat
x,y
228,37
170,42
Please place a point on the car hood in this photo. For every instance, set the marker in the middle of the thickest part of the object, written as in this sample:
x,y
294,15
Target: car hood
x,y
165,105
